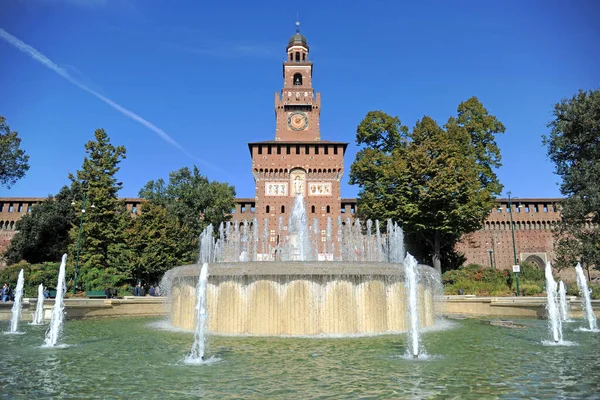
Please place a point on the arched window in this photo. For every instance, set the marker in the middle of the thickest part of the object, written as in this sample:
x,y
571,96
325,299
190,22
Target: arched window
x,y
282,209
328,209
312,209
268,209
297,79
303,56
297,56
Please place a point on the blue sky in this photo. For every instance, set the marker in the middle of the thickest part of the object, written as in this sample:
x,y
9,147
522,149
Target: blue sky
x,y
202,75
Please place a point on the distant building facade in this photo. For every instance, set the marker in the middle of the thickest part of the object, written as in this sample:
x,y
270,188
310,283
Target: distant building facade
x,y
298,160
532,221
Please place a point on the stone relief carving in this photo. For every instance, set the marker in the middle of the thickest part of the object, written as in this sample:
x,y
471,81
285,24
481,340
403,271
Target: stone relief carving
x,y
276,188
319,189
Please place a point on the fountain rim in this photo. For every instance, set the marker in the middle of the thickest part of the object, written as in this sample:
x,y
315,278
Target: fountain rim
x,y
298,268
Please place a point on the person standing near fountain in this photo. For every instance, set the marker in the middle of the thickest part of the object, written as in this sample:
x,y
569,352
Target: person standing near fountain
x,y
108,291
5,292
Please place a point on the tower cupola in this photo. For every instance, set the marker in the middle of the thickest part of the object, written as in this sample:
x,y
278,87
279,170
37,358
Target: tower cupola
x,y
297,47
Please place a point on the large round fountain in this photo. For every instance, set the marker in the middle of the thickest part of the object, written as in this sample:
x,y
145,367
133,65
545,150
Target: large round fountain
x,y
287,293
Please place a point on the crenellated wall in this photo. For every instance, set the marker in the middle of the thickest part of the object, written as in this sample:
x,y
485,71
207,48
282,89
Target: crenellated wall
x,y
13,209
533,219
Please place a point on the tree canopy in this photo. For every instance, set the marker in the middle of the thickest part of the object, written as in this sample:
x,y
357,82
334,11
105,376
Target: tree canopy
x,y
43,234
13,160
438,183
574,146
157,242
192,198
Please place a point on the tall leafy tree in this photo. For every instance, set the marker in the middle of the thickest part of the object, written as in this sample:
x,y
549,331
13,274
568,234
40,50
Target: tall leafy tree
x,y
157,242
574,147
102,220
192,198
438,183
14,163
43,234
482,129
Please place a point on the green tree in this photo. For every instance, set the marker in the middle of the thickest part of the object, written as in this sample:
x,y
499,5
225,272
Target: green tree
x,y
43,234
102,225
13,160
438,183
483,129
574,147
192,199
157,242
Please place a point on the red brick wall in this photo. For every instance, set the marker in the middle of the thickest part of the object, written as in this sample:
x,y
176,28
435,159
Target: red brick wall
x,y
532,220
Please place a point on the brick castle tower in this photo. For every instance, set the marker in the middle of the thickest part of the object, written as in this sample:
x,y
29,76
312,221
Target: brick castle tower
x,y
297,160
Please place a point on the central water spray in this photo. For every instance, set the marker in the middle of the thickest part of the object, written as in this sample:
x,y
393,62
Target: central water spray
x,y
299,241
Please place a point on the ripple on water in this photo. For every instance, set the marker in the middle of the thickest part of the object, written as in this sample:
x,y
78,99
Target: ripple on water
x,y
132,359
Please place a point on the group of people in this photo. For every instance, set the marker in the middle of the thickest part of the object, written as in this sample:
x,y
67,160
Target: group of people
x,y
140,290
8,295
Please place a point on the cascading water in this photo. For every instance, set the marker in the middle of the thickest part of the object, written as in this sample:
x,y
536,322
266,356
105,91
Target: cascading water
x,y
58,314
38,316
196,356
411,282
562,296
300,246
554,322
16,308
585,295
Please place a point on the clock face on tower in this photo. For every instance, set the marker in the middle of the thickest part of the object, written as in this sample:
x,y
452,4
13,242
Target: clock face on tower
x,y
298,121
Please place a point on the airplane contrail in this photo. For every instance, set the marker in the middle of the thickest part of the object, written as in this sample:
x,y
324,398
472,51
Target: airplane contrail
x,y
36,55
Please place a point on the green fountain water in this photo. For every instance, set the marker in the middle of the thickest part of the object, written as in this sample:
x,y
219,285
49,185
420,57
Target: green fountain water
x,y
131,358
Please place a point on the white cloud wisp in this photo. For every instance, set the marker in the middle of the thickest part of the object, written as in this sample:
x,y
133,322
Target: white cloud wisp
x,y
36,55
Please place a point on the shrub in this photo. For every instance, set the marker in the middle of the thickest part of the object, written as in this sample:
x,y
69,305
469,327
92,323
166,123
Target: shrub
x,y
595,291
531,272
475,272
573,290
530,289
34,274
479,288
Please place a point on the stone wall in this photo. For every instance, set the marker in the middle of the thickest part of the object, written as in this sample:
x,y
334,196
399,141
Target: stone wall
x,y
525,307
92,308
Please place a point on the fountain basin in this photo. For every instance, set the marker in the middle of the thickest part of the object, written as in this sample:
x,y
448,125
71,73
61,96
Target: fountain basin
x,y
300,298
